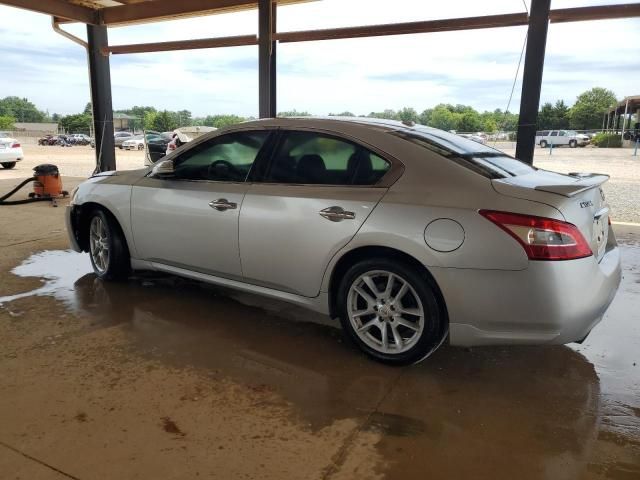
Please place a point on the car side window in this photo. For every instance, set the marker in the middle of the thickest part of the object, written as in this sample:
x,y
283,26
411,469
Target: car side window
x,y
554,134
562,133
227,158
315,158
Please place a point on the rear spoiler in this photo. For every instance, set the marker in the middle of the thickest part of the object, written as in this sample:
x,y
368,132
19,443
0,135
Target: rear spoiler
x,y
584,181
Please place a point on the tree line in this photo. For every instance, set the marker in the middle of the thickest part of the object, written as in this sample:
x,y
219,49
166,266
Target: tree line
x,y
585,114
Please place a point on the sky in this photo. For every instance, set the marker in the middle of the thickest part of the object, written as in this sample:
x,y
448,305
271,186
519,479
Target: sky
x,y
476,68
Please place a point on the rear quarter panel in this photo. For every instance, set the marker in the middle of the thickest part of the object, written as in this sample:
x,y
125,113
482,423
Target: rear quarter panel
x,y
434,187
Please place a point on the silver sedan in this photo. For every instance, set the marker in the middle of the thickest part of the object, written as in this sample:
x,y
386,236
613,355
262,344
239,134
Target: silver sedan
x,y
410,235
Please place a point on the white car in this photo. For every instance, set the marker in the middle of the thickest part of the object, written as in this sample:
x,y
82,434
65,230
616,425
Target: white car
x,y
558,138
134,143
10,151
410,235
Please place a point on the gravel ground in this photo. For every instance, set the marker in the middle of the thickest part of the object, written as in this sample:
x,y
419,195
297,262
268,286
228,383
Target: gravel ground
x,y
623,190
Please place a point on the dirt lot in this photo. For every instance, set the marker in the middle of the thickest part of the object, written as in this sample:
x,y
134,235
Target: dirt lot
x,y
161,378
623,190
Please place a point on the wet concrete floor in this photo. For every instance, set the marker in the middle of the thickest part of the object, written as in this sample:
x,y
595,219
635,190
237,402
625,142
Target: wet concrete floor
x,y
161,377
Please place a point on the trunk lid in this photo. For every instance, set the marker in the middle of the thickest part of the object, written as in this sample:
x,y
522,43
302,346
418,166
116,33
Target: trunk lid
x,y
578,196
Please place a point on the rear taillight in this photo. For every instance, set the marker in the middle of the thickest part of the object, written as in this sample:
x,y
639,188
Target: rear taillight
x,y
542,238
15,145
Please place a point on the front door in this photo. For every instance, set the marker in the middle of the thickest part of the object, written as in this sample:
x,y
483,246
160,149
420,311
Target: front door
x,y
315,195
191,220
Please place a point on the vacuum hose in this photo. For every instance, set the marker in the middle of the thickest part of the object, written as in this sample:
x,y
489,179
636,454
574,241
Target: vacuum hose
x,y
3,198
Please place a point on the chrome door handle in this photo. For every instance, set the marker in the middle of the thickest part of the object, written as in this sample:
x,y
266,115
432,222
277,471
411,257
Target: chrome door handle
x,y
337,214
222,204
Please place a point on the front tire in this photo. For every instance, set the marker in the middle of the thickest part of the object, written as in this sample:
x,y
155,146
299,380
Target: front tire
x,y
543,143
573,144
9,165
390,311
107,247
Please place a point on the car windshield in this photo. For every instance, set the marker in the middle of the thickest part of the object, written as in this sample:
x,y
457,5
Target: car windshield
x,y
572,133
485,160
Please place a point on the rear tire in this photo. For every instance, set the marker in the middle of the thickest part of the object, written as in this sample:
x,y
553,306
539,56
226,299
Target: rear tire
x,y
543,143
390,311
108,247
9,165
573,144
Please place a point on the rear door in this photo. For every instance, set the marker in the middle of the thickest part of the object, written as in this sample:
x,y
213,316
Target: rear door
x,y
313,196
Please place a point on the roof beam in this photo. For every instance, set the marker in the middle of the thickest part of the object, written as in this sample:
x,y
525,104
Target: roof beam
x,y
171,9
448,25
167,9
57,8
601,12
235,41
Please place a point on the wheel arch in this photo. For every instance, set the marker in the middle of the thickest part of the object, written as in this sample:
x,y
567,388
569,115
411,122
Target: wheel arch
x,y
81,224
374,251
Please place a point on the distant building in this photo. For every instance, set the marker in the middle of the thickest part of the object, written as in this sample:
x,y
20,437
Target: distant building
x,y
122,121
39,128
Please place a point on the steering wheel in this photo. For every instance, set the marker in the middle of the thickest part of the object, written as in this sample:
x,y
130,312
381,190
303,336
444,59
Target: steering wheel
x,y
223,168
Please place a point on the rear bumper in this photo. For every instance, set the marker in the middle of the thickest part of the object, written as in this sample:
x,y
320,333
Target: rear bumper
x,y
548,303
11,155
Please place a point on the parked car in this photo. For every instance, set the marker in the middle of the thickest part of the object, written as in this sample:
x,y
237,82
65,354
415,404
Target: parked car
x,y
134,143
10,151
120,137
46,140
474,137
559,138
79,139
409,234
156,145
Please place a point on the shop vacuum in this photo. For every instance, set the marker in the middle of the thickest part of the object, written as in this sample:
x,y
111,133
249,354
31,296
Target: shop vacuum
x,y
47,186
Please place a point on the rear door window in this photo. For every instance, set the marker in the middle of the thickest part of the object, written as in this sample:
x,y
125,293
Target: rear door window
x,y
319,159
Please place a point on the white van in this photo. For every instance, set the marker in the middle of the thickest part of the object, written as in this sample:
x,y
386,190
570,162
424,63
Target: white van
x,y
561,137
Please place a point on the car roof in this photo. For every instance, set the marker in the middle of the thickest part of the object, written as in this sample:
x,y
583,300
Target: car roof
x,y
320,122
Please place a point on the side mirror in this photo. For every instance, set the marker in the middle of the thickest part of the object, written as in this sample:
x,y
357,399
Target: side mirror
x,y
163,169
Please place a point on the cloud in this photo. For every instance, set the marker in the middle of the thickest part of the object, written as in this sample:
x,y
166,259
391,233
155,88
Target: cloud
x,y
359,75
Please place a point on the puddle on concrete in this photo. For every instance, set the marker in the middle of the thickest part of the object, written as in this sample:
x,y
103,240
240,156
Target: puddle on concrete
x,y
59,270
546,406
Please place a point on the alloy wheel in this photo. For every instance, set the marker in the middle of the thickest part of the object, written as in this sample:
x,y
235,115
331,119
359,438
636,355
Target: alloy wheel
x,y
385,311
99,244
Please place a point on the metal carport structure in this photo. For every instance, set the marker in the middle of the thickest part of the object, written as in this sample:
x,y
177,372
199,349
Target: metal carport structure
x,y
98,15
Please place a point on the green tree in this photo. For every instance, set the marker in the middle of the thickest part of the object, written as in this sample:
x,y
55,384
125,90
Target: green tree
x,y
88,109
6,122
294,113
425,117
343,114
443,118
184,118
387,114
164,121
21,109
469,121
408,114
78,123
221,121
589,108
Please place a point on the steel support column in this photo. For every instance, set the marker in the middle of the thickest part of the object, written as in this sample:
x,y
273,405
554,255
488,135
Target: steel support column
x,y
532,79
267,58
100,82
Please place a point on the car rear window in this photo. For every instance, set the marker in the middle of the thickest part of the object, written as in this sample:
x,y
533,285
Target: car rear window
x,y
485,160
